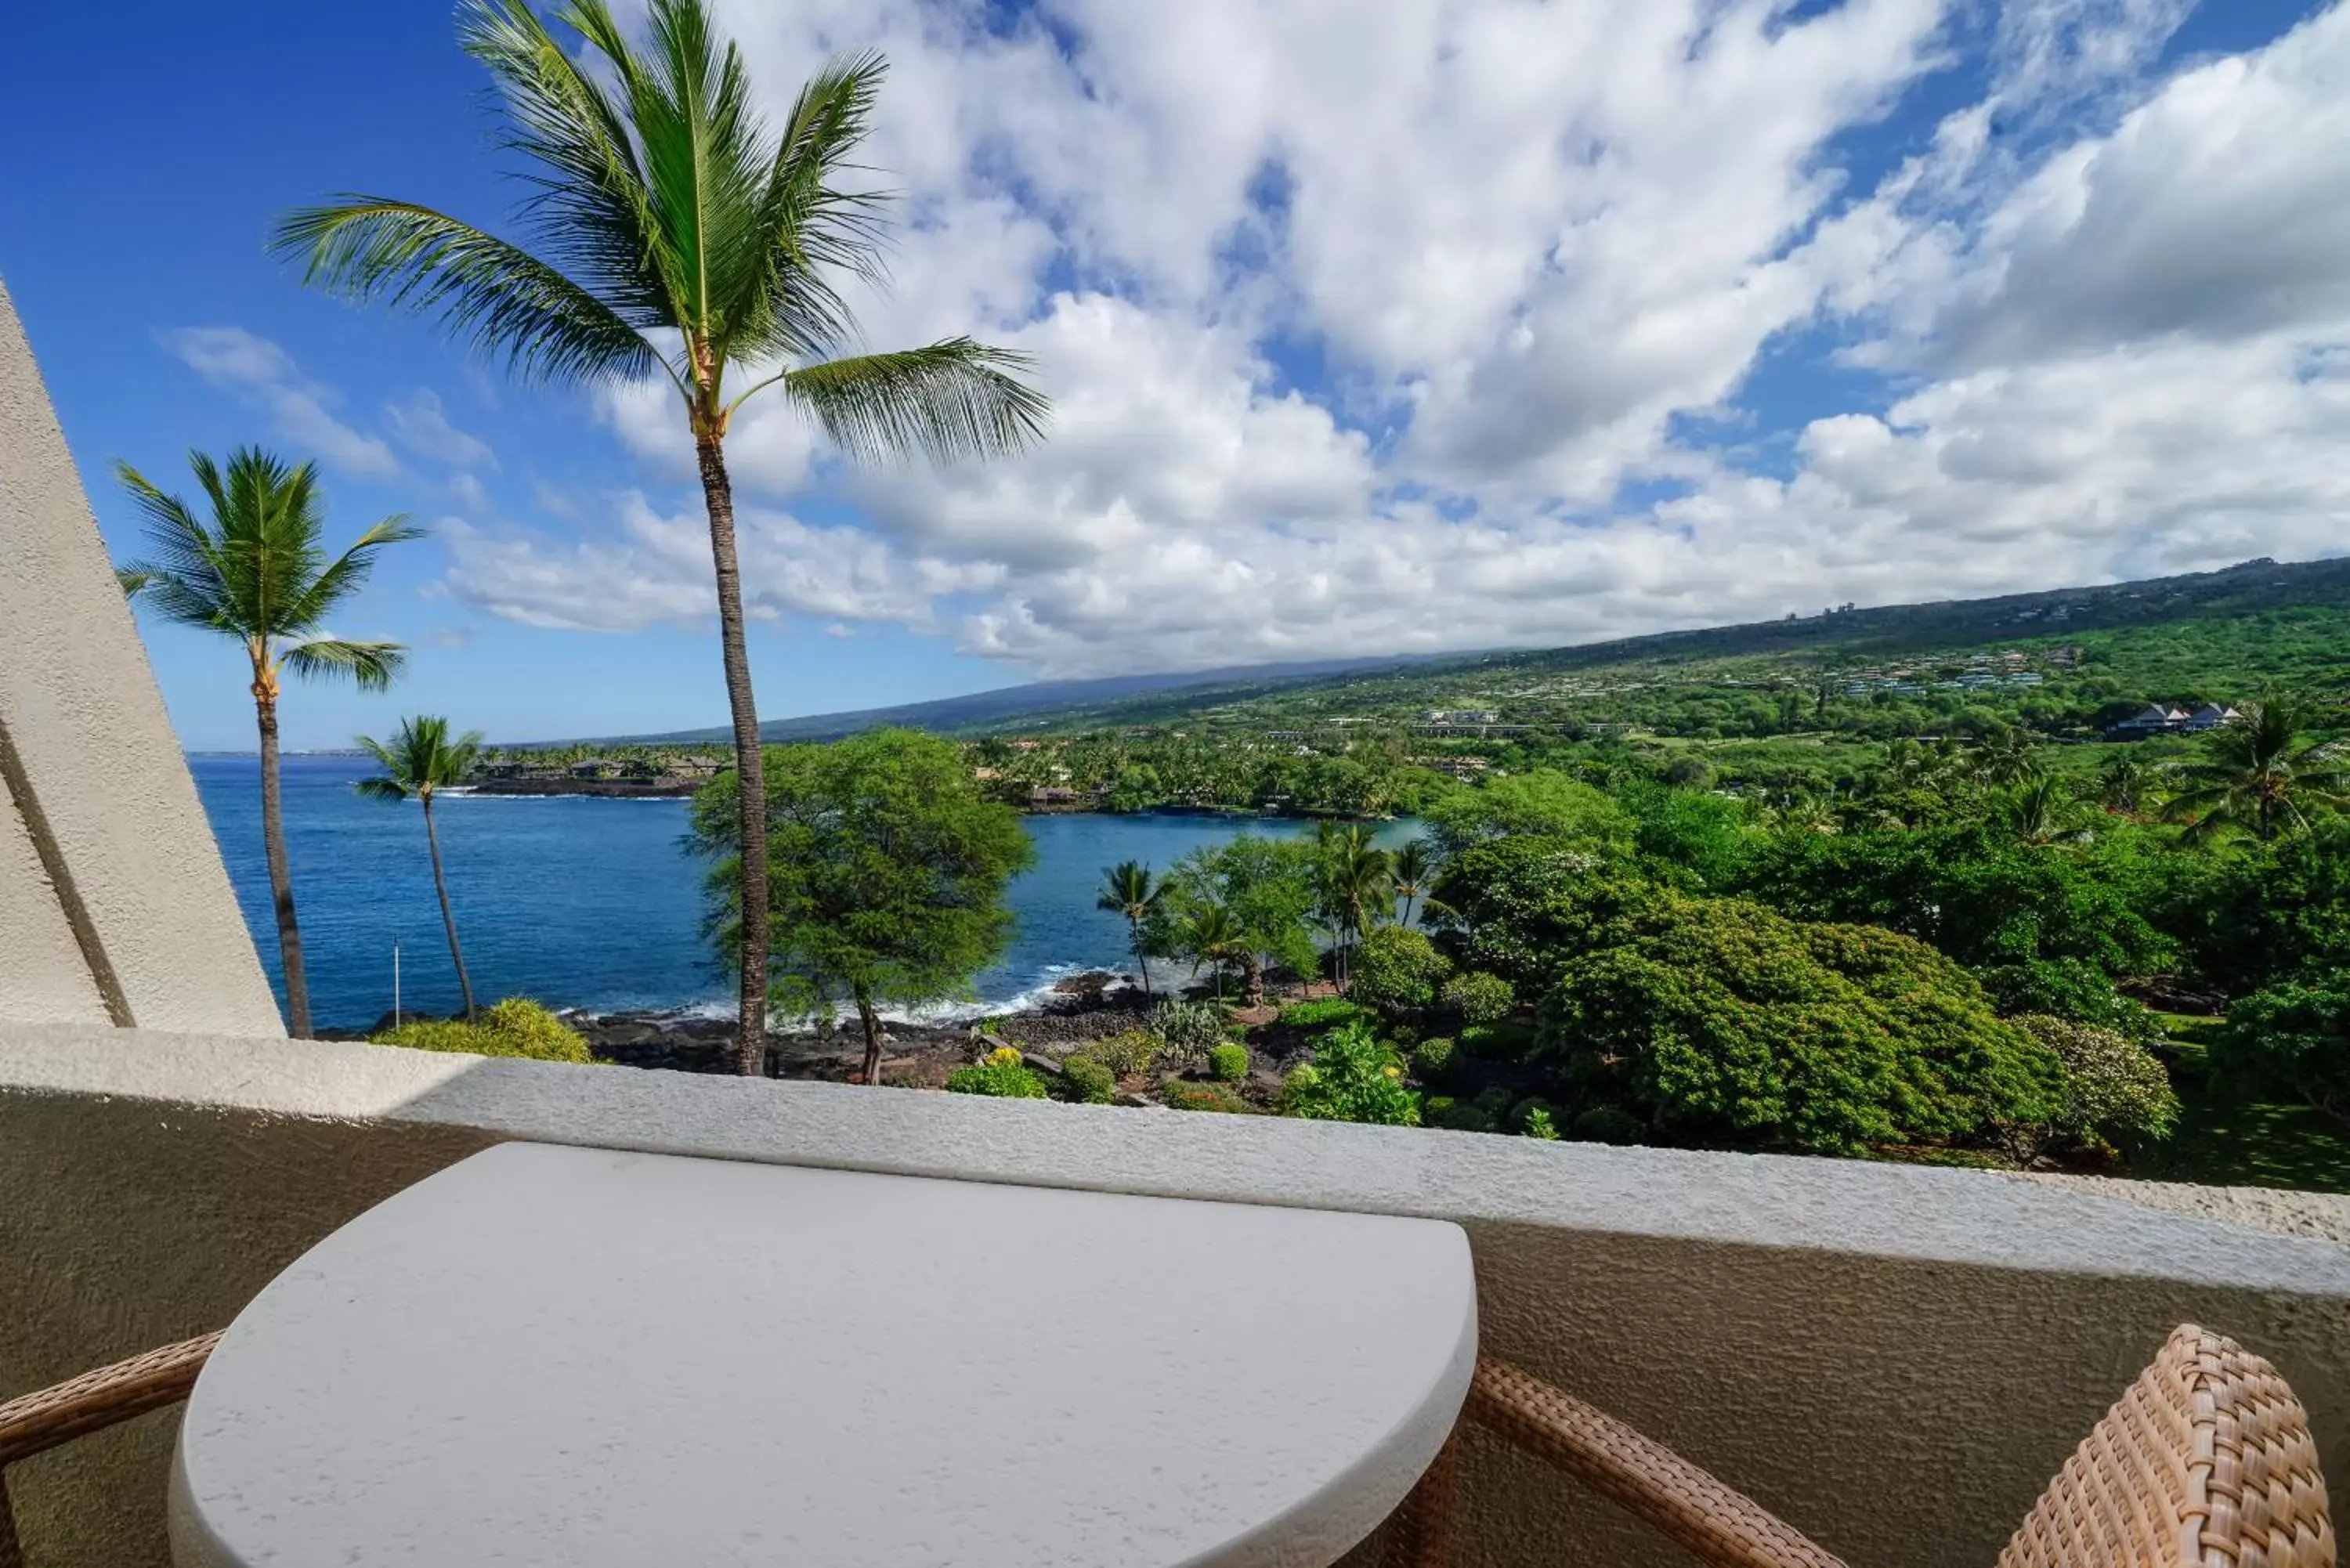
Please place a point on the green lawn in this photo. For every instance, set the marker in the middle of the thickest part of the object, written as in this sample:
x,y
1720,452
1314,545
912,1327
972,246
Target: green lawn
x,y
2228,1141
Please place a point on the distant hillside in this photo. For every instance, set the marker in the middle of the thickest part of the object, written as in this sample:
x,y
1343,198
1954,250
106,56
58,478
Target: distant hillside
x,y
2233,614
987,710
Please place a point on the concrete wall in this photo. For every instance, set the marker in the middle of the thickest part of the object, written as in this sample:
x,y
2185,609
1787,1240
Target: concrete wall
x,y
97,794
1895,1358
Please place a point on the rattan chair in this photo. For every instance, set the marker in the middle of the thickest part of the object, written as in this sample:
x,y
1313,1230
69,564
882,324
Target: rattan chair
x,y
2206,1461
41,1420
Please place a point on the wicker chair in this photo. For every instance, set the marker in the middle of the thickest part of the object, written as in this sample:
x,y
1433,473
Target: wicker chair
x,y
43,1419
2206,1461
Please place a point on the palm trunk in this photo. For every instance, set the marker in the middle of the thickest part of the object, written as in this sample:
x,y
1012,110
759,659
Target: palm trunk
x,y
281,879
1253,980
448,921
1141,963
749,768
871,1072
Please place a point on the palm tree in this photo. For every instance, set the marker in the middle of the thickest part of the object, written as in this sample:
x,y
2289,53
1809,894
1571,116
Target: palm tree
x,y
2012,758
2258,773
2126,783
2041,811
1413,873
1128,890
675,235
1361,882
420,760
1212,935
258,572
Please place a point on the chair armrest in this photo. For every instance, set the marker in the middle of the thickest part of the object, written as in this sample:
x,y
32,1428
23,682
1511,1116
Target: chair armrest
x,y
47,1417
1716,1522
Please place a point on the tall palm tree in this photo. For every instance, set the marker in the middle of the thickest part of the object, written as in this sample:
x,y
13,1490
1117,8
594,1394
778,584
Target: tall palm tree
x,y
1413,873
1128,890
2259,775
673,234
2041,811
257,571
1358,881
2126,783
420,761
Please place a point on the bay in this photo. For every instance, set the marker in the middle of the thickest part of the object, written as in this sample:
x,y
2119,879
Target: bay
x,y
596,903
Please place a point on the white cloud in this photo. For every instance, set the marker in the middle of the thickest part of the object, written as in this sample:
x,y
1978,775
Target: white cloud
x,y
1357,332
420,423
258,369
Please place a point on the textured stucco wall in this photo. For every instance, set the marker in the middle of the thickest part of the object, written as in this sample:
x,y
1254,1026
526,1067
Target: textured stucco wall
x,y
44,977
98,787
1895,1358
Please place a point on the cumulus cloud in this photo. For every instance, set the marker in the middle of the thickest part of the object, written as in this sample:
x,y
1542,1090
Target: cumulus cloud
x,y
420,423
264,374
1452,332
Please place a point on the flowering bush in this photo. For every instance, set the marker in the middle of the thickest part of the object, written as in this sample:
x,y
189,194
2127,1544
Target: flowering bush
x,y
1354,1077
514,1027
2115,1090
1005,1080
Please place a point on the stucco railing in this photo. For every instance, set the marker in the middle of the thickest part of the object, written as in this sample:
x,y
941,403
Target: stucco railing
x,y
1893,1358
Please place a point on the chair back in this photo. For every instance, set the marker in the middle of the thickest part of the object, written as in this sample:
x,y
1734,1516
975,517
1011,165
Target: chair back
x,y
2205,1462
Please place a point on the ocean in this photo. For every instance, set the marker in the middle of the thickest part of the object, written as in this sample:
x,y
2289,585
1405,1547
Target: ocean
x,y
595,903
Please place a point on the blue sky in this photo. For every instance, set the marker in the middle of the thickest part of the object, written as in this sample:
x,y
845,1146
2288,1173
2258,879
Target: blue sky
x,y
1502,325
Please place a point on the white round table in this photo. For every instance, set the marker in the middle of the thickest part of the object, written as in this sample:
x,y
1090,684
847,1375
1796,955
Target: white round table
x,y
548,1356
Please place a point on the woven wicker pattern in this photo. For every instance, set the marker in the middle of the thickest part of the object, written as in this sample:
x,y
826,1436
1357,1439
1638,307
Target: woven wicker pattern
x,y
2206,1461
47,1417
1716,1522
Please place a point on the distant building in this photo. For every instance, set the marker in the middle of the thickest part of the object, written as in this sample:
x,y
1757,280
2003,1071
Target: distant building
x,y
593,768
2211,716
2173,719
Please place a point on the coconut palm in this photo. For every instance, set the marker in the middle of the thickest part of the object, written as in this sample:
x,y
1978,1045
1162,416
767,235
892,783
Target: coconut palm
x,y
1361,884
1211,934
2126,783
2258,774
420,761
257,571
673,234
1413,874
1129,891
2041,811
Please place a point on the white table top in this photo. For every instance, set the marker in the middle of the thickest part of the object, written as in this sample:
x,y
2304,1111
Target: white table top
x,y
549,1355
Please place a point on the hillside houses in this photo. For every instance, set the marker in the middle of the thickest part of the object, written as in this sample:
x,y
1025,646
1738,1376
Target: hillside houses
x,y
2173,719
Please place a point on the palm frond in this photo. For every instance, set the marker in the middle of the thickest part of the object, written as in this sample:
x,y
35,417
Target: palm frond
x,y
952,399
183,579
418,759
500,297
590,210
349,571
371,665
383,789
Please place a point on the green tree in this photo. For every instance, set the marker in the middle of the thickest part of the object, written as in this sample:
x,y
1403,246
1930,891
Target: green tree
x,y
673,234
1268,888
887,876
1718,1021
1397,971
420,761
1357,886
1543,802
1131,892
1354,1077
257,571
2259,775
2293,1038
2126,783
1208,934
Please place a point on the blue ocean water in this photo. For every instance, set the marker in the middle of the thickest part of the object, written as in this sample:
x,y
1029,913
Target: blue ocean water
x,y
590,903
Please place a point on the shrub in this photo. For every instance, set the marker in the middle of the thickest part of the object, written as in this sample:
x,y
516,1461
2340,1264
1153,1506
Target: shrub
x,y
1128,1055
1606,1124
1496,1041
514,1027
2115,1092
1354,1077
2293,1039
1539,1125
2068,988
1090,1081
1182,1096
1725,1021
1322,1013
1522,1115
1189,1030
1478,997
1003,1080
1431,1058
1228,1061
1396,970
1444,1111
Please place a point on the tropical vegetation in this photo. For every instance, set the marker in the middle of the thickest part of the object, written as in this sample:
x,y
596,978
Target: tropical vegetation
x,y
253,566
671,234
419,761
